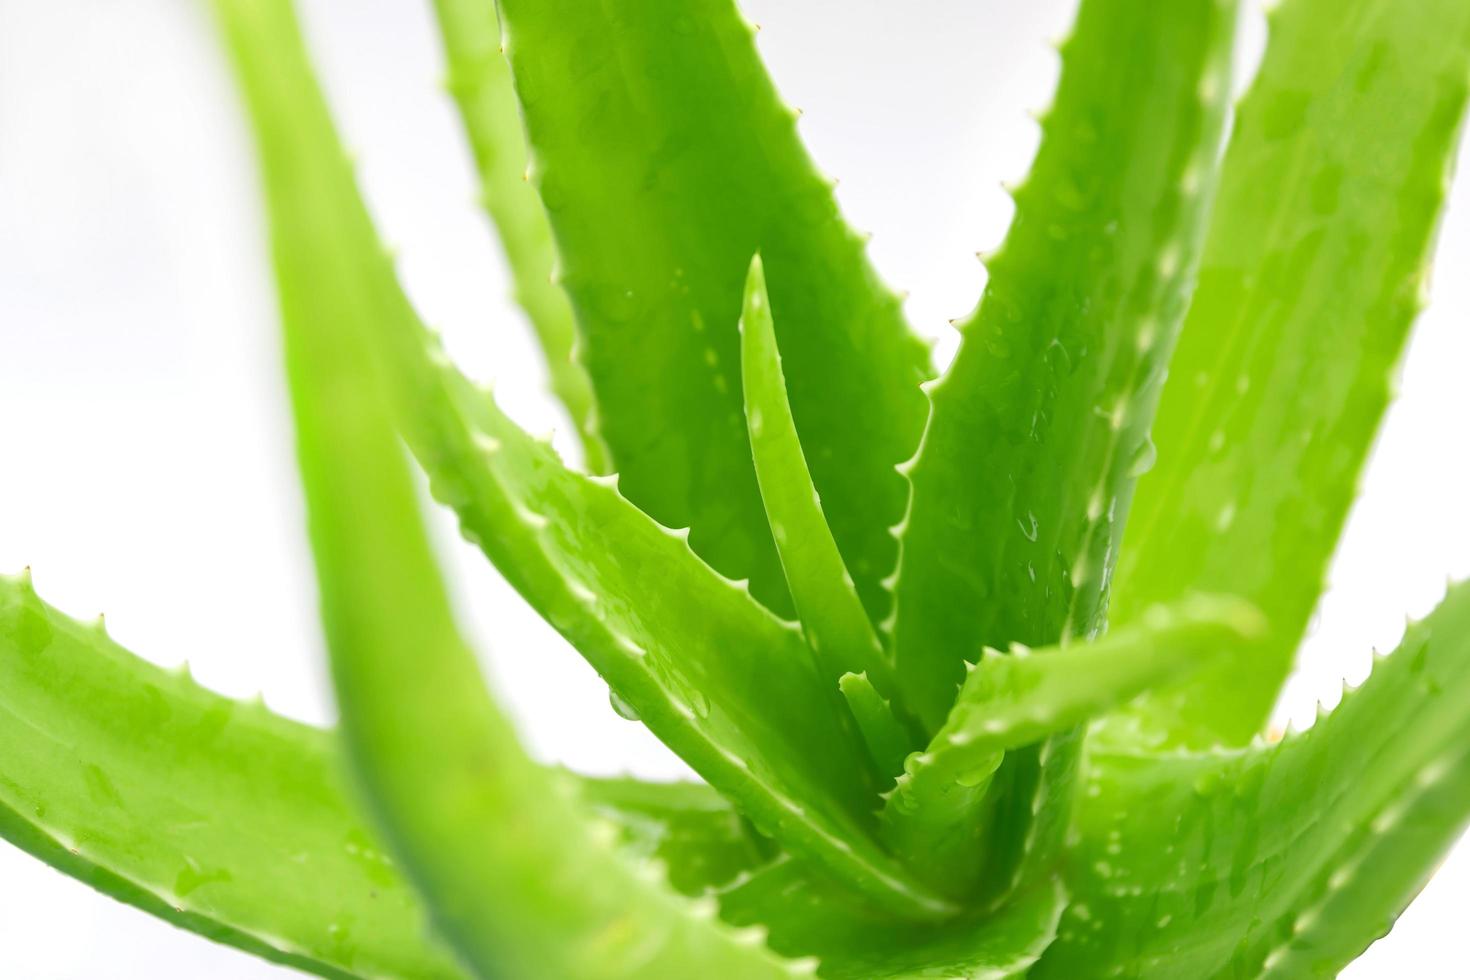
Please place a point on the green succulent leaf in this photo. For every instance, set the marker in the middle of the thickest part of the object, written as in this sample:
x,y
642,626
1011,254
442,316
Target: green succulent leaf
x,y
690,829
832,617
888,739
1040,427
487,836
803,913
1022,696
804,916
479,79
727,686
1315,266
212,814
666,159
723,682
1015,699
1277,860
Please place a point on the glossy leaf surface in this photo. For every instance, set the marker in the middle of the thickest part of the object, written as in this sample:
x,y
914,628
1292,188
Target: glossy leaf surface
x,y
666,159
827,603
213,814
719,678
1040,427
1316,264
1277,860
479,79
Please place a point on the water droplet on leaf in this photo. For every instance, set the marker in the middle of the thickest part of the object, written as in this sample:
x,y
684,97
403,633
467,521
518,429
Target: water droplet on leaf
x,y
623,708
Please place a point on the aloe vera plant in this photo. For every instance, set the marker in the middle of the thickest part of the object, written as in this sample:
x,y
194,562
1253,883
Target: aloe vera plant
x,y
954,713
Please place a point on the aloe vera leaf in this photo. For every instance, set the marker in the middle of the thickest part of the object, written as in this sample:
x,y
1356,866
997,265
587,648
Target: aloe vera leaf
x,y
660,627
1284,859
805,916
1315,266
1010,700
832,616
804,913
887,738
479,80
666,159
212,814
488,837
491,840
693,831
1040,426
1016,698
717,677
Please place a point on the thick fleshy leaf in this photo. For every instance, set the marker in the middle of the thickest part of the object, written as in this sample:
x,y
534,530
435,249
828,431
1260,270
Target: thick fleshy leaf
x,y
832,617
1277,860
1315,266
888,739
212,814
723,682
699,838
1015,699
666,159
1040,427
804,916
479,80
490,839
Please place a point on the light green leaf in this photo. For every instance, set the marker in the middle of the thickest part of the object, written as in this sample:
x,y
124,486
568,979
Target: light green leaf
x,y
1015,699
832,617
1277,860
490,839
693,831
887,738
479,80
1040,427
212,814
1316,264
666,159
728,687
719,679
805,916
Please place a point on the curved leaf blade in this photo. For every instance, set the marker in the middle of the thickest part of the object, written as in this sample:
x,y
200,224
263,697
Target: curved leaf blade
x,y
488,837
1314,269
827,603
666,159
1012,700
887,738
214,815
1176,872
1041,424
710,671
805,916
479,80
689,828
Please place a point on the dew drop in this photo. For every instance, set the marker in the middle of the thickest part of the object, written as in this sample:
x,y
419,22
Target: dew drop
x,y
623,708
977,776
1029,531
1143,459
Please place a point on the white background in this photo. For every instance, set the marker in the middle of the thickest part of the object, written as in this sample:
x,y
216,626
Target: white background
x,y
145,462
